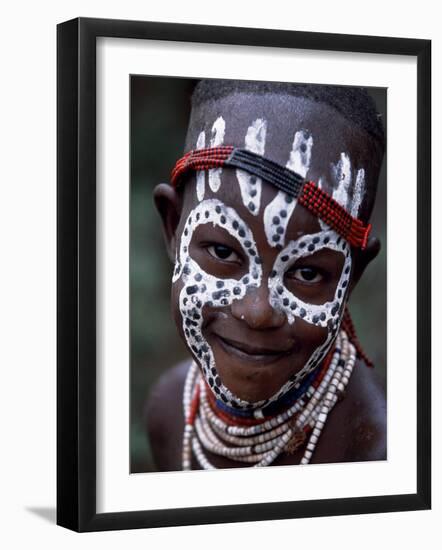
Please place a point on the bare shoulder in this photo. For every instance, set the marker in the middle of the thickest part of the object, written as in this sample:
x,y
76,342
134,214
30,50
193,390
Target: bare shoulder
x,y
368,412
164,419
357,428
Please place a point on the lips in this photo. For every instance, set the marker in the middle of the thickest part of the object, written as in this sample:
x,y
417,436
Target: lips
x,y
248,352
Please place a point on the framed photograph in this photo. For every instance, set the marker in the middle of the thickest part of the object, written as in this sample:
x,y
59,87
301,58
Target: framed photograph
x,y
243,274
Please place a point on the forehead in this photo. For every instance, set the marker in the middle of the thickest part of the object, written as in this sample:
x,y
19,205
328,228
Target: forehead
x,y
284,115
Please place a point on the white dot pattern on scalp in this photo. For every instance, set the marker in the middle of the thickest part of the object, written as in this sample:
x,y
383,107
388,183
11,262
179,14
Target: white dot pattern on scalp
x,y
203,289
275,224
217,139
201,175
249,184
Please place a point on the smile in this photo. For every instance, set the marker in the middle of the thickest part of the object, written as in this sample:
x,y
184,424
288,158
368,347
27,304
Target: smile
x,y
252,353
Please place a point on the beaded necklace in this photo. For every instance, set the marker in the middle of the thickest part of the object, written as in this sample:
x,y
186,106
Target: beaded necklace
x,y
260,442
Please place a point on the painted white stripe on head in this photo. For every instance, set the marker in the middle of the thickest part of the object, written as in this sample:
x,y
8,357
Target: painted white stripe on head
x,y
278,212
217,139
358,192
276,216
250,186
200,175
301,153
256,136
342,176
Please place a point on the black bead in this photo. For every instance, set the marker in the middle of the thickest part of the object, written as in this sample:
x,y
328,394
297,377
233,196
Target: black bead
x,y
276,220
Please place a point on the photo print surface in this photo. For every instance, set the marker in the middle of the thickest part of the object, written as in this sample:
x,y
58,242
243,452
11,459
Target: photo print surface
x,y
257,273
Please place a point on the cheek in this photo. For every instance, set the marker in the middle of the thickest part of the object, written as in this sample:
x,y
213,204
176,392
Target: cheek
x,y
175,306
308,338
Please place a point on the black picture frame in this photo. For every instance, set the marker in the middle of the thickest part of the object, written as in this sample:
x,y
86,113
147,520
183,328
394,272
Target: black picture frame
x,y
76,274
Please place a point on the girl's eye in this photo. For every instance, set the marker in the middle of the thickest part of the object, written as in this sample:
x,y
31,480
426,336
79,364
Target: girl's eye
x,y
221,252
307,275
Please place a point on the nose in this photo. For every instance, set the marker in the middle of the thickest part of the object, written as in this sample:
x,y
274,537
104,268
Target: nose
x,y
256,311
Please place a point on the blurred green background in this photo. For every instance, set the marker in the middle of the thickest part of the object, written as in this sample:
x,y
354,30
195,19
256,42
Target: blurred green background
x,y
159,114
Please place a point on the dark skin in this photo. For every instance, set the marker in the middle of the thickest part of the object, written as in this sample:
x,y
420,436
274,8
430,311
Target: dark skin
x,y
256,350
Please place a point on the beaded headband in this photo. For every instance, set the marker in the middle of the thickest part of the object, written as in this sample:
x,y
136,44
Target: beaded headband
x,y
308,194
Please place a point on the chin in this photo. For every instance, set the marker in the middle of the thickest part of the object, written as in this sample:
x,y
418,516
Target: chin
x,y
252,377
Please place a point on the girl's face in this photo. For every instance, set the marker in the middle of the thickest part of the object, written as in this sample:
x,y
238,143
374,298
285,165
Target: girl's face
x,y
256,315
259,284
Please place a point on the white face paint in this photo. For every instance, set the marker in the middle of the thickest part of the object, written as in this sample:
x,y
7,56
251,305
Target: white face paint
x,y
326,315
203,289
278,212
249,184
358,193
343,178
217,139
201,175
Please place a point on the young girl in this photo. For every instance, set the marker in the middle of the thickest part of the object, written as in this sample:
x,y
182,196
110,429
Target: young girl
x,y
267,222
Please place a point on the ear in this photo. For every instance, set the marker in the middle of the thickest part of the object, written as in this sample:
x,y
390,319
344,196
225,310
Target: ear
x,y
168,204
362,258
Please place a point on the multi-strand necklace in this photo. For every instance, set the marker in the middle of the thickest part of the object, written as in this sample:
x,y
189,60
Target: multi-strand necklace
x,y
259,443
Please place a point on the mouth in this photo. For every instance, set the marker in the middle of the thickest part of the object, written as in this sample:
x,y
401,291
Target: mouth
x,y
250,353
